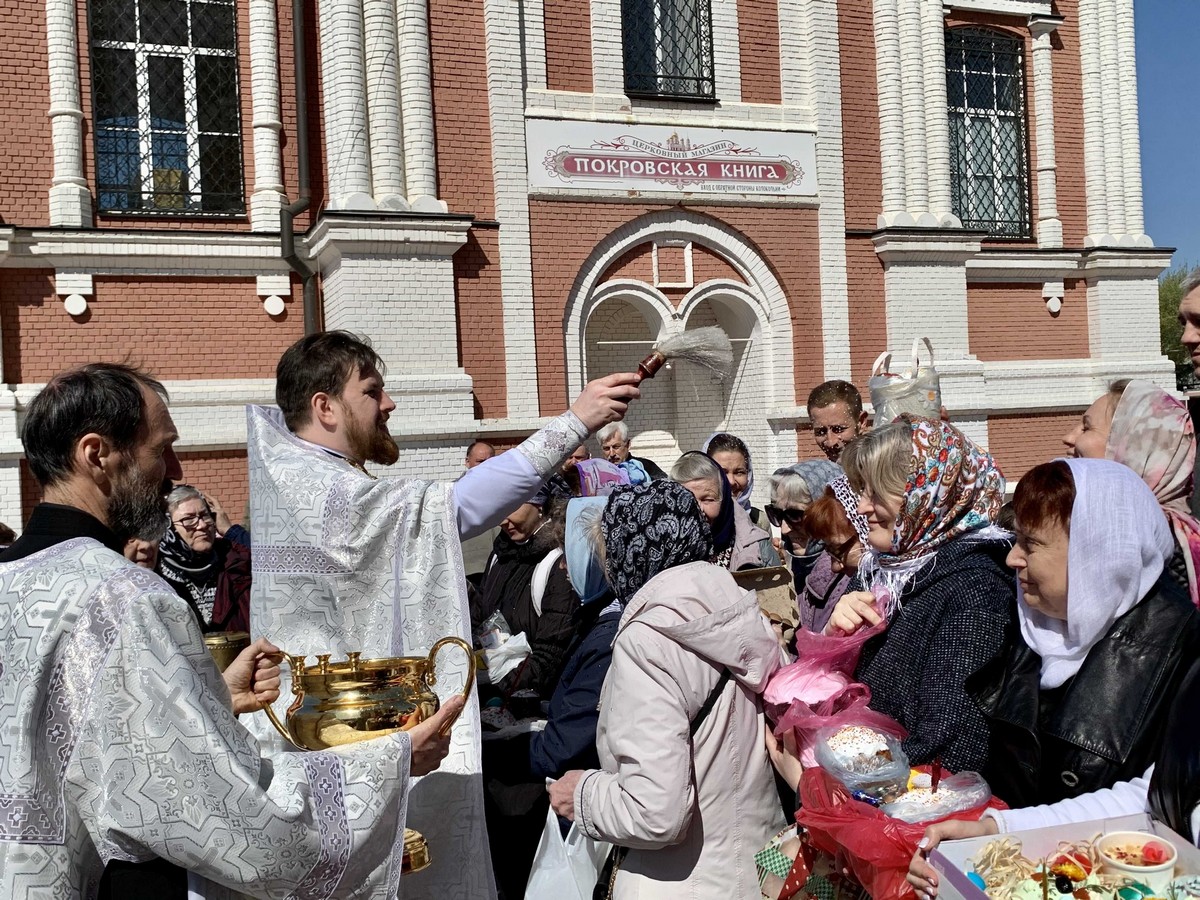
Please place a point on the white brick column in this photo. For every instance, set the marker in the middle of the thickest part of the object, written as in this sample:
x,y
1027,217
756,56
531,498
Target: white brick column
x,y
1093,120
267,122
727,66
912,92
393,280
383,103
891,113
416,102
937,119
347,150
1049,226
1122,299
1114,144
608,51
1131,157
70,199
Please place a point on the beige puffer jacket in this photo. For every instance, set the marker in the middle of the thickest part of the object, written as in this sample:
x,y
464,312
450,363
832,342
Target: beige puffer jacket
x,y
693,829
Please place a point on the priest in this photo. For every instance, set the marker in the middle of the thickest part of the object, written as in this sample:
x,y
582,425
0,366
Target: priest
x,y
124,773
345,561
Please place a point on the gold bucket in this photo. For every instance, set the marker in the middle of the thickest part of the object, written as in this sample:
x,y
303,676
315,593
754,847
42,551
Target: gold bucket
x,y
225,646
340,703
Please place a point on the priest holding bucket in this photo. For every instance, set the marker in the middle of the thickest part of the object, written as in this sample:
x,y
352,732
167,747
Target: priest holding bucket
x,y
357,569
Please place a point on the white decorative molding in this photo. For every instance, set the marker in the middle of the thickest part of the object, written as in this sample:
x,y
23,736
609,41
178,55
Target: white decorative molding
x,y
1049,226
727,66
686,247
344,95
534,12
70,198
399,236
159,253
1053,293
915,245
1002,7
267,123
416,101
608,53
383,104
272,289
74,288
597,107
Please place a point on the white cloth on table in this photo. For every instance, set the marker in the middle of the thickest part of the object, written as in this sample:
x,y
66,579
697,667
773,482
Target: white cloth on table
x,y
118,743
346,562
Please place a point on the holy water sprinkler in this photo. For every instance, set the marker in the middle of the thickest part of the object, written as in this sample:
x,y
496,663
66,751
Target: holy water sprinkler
x,y
706,347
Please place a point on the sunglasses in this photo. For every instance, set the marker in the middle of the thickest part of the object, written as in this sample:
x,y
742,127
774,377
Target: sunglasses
x,y
777,515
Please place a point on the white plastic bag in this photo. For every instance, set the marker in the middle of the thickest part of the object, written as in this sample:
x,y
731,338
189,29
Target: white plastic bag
x,y
916,391
506,657
565,868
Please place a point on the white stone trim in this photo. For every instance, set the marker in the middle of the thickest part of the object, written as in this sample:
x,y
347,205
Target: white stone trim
x,y
1093,118
891,113
409,236
1049,226
727,51
608,49
347,152
912,93
416,100
937,119
687,281
74,288
1002,7
682,224
795,87
1131,149
534,12
547,104
70,199
506,109
267,199
383,103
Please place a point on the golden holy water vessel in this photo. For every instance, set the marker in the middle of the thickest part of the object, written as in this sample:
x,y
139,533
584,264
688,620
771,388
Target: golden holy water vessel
x,y
358,699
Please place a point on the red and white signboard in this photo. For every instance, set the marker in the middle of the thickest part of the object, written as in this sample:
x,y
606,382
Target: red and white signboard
x,y
567,155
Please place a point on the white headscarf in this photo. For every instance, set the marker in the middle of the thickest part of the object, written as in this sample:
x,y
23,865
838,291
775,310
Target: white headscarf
x,y
1119,544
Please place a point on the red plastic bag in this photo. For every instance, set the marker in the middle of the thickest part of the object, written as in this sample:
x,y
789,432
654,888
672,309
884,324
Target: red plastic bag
x,y
875,848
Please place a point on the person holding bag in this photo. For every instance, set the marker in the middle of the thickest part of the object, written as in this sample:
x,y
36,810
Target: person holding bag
x,y
685,791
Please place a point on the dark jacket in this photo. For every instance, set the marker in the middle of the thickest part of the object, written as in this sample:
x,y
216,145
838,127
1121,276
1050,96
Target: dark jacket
x,y
1175,785
954,619
569,739
507,588
228,578
1102,726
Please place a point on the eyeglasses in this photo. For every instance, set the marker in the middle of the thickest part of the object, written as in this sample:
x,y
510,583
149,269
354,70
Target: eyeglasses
x,y
192,522
776,515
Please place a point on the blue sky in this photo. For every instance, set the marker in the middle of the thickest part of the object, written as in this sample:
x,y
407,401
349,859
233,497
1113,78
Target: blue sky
x,y
1168,63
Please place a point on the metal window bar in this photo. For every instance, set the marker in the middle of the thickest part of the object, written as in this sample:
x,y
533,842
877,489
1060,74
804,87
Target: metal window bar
x,y
166,106
989,164
668,49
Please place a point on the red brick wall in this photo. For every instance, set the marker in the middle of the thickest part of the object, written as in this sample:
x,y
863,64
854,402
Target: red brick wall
x,y
758,39
860,116
868,311
1021,442
637,262
26,166
1068,126
568,45
563,235
224,475
1010,321
176,327
707,265
481,320
460,107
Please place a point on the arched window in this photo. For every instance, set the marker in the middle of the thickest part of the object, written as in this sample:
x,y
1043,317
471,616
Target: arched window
x,y
165,100
668,48
989,166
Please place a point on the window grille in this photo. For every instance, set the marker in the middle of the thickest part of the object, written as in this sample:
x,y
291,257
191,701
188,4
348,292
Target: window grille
x,y
989,166
165,99
668,49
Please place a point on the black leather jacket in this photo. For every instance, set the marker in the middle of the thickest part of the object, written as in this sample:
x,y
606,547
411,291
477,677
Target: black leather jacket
x,y
1106,723
1175,787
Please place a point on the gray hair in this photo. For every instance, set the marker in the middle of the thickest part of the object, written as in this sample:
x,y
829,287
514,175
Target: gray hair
x,y
1190,282
181,493
790,489
617,428
696,467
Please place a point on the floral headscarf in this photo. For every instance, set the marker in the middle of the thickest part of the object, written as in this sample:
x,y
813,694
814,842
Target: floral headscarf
x,y
954,487
1152,433
649,528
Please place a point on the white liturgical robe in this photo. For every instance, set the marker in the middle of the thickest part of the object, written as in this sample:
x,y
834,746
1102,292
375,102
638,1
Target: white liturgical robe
x,y
117,743
346,562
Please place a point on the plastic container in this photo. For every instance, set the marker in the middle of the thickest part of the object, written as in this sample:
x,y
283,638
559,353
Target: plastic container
x,y
1156,876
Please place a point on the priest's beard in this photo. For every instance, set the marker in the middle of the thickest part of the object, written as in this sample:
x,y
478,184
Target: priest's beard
x,y
370,443
138,505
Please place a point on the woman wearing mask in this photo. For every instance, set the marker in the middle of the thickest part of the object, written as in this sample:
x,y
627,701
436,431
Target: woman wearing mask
x,y
210,571
1138,424
685,786
738,542
930,497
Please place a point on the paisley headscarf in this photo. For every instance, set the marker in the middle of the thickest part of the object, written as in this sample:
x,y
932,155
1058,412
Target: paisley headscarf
x,y
954,487
722,529
1152,433
648,528
848,497
743,498
583,564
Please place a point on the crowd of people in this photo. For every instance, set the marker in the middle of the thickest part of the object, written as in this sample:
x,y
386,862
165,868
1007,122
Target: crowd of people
x,y
1048,642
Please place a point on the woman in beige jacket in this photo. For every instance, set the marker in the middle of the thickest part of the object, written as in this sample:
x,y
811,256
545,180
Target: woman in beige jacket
x,y
691,809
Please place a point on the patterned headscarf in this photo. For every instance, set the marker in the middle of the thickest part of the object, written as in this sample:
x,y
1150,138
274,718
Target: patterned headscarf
x,y
954,487
848,497
599,477
649,528
818,474
1152,433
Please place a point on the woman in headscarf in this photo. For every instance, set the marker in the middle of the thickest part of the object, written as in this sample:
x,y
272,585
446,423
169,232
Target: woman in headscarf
x,y
680,737
793,488
832,519
1138,424
210,571
737,542
733,456
930,497
1097,687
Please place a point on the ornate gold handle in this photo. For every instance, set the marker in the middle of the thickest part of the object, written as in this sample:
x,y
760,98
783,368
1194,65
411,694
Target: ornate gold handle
x,y
294,663
431,673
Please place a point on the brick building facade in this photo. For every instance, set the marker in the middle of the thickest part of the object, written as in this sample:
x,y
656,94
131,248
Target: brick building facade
x,y
511,196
